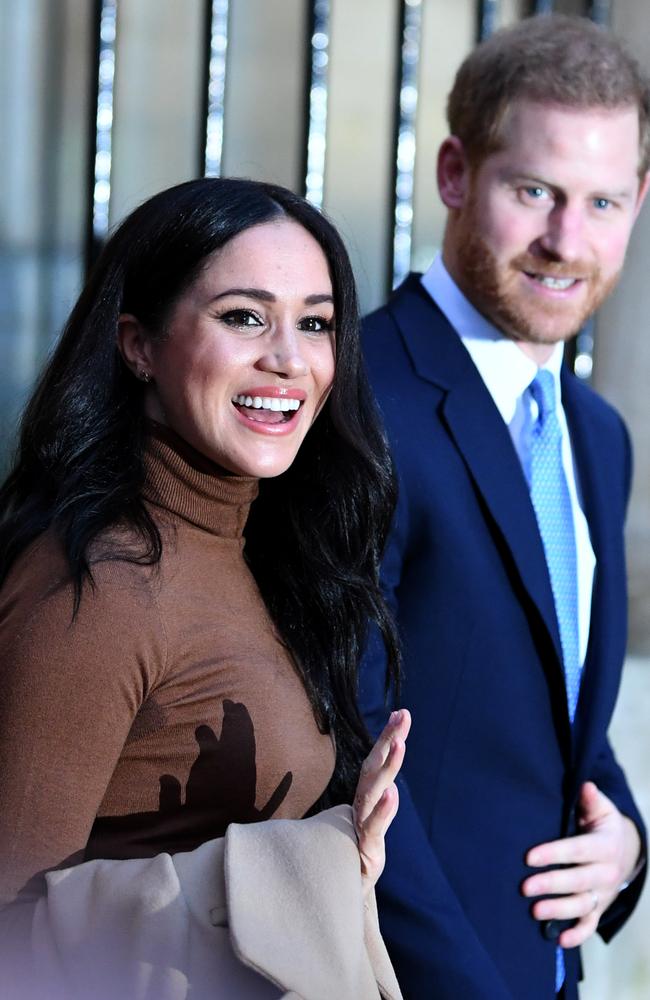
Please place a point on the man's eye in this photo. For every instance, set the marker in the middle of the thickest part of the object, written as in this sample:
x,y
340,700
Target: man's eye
x,y
315,324
241,317
602,203
535,192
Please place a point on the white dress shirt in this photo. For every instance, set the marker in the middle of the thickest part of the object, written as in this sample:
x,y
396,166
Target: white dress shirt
x,y
507,373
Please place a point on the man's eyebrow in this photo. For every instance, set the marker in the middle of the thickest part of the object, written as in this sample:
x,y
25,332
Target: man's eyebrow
x,y
264,296
613,195
521,177
529,178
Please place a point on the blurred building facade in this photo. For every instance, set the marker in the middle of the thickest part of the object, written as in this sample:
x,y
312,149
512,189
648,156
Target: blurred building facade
x,y
104,102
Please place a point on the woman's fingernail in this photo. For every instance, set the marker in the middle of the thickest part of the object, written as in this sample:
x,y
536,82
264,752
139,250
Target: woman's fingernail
x,y
394,718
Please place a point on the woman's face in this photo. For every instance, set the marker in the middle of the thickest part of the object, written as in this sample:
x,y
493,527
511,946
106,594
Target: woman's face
x,y
248,357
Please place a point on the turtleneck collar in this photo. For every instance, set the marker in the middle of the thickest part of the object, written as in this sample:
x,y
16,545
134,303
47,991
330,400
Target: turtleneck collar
x,y
181,480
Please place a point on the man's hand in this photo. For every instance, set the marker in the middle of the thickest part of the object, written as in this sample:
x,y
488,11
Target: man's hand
x,y
599,861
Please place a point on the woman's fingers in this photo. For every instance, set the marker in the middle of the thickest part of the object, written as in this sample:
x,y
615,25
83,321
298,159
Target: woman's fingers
x,y
382,764
372,832
378,772
376,800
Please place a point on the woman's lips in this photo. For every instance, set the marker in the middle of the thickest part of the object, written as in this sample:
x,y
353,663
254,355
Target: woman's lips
x,y
269,409
274,392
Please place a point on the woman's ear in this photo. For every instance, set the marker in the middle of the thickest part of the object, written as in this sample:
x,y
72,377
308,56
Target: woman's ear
x,y
452,172
134,346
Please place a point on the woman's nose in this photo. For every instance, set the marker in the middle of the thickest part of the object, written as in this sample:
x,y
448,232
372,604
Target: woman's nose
x,y
284,354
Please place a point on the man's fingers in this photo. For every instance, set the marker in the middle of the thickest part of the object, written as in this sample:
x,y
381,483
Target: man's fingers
x,y
578,850
575,936
593,805
568,881
582,904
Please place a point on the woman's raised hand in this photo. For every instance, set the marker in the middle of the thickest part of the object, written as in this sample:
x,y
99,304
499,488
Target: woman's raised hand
x,y
377,799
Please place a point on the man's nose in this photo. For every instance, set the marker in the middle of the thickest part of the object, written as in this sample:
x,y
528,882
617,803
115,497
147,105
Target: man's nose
x,y
564,238
284,353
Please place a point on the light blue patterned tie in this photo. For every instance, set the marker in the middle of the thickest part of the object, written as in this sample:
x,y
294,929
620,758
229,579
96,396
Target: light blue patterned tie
x,y
549,493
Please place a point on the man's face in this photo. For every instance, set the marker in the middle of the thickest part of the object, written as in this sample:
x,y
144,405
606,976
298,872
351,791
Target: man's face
x,y
540,237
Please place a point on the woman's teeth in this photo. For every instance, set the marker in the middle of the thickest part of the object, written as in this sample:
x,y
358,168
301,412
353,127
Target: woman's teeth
x,y
267,403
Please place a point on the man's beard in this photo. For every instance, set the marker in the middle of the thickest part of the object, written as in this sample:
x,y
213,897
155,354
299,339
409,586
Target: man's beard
x,y
496,290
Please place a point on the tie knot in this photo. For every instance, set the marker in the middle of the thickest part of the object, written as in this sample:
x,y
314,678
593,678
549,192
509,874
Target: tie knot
x,y
543,390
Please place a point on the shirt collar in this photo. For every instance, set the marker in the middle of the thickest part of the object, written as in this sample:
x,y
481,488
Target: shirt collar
x,y
505,369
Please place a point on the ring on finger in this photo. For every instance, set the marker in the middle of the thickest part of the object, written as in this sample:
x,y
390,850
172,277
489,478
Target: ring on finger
x,y
594,896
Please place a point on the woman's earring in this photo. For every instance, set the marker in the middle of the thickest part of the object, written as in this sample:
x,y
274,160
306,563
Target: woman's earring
x,y
143,375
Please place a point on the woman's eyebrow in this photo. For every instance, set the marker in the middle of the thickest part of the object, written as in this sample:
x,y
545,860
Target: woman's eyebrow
x,y
251,293
264,296
313,300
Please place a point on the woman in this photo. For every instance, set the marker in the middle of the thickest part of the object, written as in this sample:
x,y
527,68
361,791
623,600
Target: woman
x,y
178,653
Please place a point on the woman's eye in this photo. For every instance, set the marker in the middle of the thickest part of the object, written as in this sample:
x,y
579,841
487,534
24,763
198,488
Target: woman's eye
x,y
316,324
241,318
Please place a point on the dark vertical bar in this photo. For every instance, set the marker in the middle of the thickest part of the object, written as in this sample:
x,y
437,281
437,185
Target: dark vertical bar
x,y
600,12
91,249
102,119
306,101
49,188
580,352
206,49
488,18
397,87
215,85
318,95
405,137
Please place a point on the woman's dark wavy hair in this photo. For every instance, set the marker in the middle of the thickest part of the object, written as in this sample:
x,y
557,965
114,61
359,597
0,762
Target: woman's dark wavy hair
x,y
315,534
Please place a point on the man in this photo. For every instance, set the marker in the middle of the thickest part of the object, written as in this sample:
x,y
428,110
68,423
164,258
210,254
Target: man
x,y
517,835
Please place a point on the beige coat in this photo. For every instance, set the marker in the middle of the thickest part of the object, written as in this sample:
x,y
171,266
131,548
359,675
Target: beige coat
x,y
272,910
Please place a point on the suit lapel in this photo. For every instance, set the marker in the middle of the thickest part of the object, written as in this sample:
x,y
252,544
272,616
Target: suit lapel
x,y
592,474
472,419
587,455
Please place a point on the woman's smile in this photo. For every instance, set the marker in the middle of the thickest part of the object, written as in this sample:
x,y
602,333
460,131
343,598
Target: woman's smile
x,y
270,409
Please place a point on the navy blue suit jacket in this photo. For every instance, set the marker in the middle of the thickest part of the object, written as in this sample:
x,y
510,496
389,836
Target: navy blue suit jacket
x,y
493,765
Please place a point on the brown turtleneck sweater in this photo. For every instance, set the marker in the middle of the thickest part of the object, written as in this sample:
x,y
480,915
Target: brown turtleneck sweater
x,y
166,709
